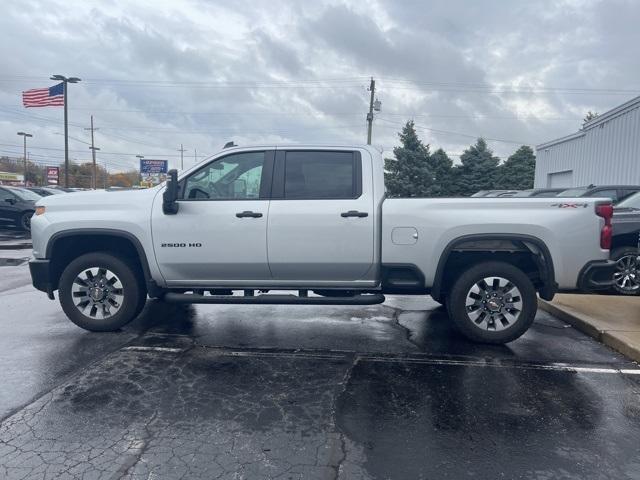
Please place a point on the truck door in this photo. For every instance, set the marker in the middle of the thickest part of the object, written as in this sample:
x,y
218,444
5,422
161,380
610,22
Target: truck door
x,y
219,233
321,217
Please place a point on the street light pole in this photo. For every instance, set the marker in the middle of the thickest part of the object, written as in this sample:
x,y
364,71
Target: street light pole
x,y
24,137
65,81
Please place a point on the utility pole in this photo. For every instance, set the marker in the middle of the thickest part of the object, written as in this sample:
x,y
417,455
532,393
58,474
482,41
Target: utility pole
x,y
65,81
195,156
374,106
93,148
24,137
182,150
372,89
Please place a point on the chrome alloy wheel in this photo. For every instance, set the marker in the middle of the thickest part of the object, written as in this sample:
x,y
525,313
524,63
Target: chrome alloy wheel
x,y
494,303
627,274
97,293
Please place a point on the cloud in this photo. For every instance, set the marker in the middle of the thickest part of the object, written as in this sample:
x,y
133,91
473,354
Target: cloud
x,y
160,73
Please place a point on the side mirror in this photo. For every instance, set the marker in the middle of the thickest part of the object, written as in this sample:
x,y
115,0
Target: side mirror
x,y
12,201
170,195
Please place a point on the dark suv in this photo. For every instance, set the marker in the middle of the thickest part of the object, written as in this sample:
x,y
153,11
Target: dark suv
x,y
626,245
17,206
615,192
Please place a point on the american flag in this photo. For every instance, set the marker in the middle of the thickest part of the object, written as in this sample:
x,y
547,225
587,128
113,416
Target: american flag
x,y
43,97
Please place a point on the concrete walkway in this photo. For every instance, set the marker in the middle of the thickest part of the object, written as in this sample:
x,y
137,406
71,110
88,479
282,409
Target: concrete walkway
x,y
612,319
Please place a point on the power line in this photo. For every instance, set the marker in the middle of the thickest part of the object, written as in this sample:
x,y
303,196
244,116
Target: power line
x,y
447,132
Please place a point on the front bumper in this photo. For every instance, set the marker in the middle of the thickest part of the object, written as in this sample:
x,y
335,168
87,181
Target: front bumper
x,y
41,278
597,275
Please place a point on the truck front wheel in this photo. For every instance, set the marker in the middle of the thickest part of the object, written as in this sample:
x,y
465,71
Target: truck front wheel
x,y
492,302
100,293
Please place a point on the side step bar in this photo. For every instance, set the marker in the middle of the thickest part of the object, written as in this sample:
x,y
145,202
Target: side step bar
x,y
362,299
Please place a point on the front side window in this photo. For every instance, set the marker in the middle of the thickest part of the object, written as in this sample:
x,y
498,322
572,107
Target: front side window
x,y
320,175
6,195
234,177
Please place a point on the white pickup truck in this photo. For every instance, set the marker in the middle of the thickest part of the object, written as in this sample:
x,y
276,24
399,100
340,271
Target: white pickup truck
x,y
314,220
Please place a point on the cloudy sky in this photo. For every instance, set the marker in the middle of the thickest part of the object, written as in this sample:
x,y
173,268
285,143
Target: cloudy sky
x,y
157,74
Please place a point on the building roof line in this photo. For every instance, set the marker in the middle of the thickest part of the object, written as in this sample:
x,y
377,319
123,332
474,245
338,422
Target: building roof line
x,y
599,120
614,112
566,138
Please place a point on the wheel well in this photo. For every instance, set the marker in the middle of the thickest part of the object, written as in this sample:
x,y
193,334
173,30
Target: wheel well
x,y
65,249
530,257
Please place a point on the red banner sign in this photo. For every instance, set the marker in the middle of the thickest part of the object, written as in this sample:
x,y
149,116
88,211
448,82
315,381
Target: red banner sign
x,y
53,173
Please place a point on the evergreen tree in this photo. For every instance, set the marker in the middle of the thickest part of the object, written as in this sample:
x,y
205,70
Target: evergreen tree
x,y
441,166
478,170
409,173
518,171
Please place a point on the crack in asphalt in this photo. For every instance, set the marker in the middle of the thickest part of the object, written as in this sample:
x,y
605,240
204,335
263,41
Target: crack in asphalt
x,y
344,383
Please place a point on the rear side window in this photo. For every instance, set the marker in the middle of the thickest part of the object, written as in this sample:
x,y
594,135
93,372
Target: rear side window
x,y
628,192
321,175
612,194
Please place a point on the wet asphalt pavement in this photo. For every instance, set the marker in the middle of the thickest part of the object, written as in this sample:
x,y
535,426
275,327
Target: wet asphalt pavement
x,y
383,392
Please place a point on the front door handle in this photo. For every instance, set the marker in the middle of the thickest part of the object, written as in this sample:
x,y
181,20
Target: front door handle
x,y
248,214
354,213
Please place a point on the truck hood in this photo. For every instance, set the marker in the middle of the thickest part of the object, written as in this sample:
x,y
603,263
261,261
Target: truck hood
x,y
116,199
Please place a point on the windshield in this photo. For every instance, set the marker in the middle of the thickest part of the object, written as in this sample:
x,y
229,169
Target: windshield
x,y
26,194
630,202
573,192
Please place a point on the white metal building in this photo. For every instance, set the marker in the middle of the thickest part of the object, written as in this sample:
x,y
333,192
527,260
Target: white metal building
x,y
605,151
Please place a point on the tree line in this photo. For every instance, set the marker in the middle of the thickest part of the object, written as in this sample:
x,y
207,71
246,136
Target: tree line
x,y
79,174
417,172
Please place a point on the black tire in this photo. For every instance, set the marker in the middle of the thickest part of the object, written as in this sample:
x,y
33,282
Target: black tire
x,y
132,294
24,222
481,331
628,265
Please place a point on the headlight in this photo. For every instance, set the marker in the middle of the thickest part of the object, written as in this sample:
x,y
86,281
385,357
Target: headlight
x,y
40,210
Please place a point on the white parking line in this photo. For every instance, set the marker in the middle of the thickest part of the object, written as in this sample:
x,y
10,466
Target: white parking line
x,y
559,367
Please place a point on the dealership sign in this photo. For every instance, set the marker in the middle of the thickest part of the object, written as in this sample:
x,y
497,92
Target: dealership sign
x,y
53,175
153,172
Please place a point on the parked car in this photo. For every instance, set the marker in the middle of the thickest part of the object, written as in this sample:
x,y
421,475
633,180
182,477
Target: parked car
x,y
17,206
491,193
314,220
539,192
45,191
501,193
616,193
626,246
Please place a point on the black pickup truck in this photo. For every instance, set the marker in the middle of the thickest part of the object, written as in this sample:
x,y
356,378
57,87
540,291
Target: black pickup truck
x,y
626,245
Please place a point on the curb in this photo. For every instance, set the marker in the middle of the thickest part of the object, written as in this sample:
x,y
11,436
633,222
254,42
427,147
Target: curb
x,y
586,324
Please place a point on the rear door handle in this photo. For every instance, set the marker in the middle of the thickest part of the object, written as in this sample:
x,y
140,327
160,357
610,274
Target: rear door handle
x,y
354,213
248,214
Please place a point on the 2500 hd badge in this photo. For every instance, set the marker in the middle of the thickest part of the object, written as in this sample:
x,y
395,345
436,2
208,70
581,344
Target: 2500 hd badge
x,y
181,245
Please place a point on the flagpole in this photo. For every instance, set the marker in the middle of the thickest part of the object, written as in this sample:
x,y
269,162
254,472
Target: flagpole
x,y
66,138
65,81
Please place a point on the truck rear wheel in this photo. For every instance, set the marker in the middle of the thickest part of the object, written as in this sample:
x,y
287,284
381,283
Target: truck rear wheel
x,y
100,293
492,302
